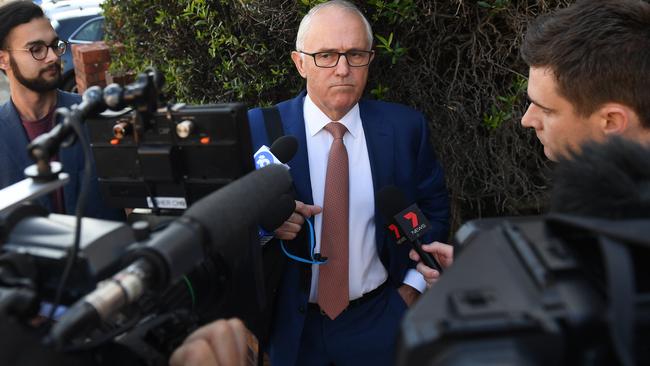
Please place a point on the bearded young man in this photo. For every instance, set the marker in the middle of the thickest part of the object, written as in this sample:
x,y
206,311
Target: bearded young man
x,y
30,53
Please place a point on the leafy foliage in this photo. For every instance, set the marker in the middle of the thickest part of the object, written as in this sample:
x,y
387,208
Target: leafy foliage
x,y
456,61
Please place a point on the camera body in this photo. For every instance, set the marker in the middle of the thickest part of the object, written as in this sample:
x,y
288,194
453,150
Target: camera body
x,y
151,155
535,291
171,158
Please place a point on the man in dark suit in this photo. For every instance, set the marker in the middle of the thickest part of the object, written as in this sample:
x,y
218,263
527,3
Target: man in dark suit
x,y
588,81
384,144
30,53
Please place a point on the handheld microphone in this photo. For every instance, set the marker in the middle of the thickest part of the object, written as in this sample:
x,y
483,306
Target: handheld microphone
x,y
208,227
405,222
282,150
275,215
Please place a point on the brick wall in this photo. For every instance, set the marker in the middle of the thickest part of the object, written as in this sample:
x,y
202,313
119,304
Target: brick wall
x,y
91,62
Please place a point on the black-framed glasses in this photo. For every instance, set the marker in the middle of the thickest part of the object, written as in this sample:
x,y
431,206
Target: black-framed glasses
x,y
331,59
39,50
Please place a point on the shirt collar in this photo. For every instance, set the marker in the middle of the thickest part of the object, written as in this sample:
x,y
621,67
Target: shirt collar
x,y
316,120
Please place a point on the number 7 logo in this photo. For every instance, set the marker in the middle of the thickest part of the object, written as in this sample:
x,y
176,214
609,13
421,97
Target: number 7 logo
x,y
411,216
395,230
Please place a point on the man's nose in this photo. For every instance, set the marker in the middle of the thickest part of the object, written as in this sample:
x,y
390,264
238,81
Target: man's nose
x,y
529,119
342,68
50,56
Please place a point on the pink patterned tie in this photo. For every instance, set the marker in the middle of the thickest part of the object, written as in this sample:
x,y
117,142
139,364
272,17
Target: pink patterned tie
x,y
333,283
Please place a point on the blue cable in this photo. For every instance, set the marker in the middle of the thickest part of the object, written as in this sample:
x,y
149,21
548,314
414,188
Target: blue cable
x,y
311,248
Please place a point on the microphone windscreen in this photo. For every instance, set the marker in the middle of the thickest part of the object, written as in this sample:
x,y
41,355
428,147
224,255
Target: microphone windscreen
x,y
390,200
230,212
277,212
284,148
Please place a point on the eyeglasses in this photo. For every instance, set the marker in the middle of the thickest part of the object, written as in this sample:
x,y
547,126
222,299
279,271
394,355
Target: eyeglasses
x,y
331,59
39,50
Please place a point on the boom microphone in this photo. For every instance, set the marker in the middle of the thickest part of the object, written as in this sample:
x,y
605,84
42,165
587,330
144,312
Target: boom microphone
x,y
208,227
406,223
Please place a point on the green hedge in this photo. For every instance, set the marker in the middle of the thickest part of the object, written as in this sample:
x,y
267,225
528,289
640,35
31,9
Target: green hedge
x,y
457,61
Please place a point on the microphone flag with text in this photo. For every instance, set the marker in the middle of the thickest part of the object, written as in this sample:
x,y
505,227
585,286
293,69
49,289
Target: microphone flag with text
x,y
405,222
209,227
281,151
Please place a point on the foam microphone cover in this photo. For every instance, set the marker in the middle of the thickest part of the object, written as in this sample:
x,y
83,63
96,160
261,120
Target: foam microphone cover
x,y
284,148
229,213
278,212
390,201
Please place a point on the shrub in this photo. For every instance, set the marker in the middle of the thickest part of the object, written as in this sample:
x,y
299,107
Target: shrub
x,y
456,61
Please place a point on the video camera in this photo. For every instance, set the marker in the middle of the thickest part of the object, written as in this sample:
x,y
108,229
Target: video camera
x,y
547,290
155,285
170,157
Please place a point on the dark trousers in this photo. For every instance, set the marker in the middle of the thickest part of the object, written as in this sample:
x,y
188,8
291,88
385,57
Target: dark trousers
x,y
362,335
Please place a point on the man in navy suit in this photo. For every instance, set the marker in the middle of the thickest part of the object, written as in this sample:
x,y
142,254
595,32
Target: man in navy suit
x,y
588,80
30,53
387,144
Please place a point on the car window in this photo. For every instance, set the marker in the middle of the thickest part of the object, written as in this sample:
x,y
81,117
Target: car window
x,y
65,27
91,31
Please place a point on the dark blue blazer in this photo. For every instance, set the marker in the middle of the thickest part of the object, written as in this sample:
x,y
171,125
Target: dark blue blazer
x,y
14,159
400,154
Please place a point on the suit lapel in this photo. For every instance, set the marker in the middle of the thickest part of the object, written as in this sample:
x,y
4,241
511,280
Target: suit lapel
x,y
294,125
14,135
379,140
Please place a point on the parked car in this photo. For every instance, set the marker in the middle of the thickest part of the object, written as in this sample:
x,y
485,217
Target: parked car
x,y
52,6
91,31
76,24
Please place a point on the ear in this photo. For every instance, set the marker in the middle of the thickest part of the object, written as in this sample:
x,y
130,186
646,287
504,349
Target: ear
x,y
615,118
299,61
4,60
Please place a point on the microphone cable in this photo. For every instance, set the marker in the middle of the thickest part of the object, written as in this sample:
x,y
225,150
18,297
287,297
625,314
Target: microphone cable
x,y
74,121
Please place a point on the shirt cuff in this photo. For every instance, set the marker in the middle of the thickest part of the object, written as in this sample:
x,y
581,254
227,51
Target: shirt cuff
x,y
415,279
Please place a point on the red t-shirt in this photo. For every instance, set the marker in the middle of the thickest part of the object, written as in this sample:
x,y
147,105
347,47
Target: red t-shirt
x,y
37,128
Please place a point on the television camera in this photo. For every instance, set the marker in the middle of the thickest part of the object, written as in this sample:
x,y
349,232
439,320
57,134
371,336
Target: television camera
x,y
155,285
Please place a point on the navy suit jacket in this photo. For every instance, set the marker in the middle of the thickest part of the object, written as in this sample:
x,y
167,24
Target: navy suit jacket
x,y
400,154
14,159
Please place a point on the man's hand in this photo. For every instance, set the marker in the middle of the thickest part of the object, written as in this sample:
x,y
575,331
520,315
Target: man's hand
x,y
408,294
290,228
444,254
223,342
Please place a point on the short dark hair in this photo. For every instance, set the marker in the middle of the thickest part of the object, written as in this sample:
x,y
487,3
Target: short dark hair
x,y
599,52
14,14
609,179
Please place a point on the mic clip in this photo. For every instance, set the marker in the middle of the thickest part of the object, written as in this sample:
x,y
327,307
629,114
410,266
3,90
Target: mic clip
x,y
319,258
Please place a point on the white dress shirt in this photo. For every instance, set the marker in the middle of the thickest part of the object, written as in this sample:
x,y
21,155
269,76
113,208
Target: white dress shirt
x,y
366,272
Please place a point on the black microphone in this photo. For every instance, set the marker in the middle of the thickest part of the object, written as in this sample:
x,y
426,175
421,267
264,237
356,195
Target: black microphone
x,y
275,215
284,148
405,222
281,151
208,227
